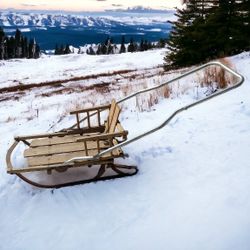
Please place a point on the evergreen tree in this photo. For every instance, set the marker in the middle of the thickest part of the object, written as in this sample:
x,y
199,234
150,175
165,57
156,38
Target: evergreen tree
x,y
115,49
6,43
226,26
243,10
206,30
37,53
104,49
110,47
67,50
17,46
61,50
141,48
99,49
145,45
90,51
123,48
2,34
32,48
183,41
2,44
131,46
11,47
57,51
18,37
24,43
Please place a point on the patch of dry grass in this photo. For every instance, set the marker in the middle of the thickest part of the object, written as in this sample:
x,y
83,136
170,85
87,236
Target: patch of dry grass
x,y
217,77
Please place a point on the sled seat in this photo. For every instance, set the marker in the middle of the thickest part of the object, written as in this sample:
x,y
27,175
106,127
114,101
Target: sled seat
x,y
60,151
49,151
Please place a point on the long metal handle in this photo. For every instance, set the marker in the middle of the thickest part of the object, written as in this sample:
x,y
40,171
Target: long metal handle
x,y
220,92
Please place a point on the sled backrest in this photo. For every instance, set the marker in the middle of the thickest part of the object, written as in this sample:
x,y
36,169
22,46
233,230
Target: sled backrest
x,y
113,116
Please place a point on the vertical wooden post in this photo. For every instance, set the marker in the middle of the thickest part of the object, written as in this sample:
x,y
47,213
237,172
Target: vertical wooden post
x,y
88,119
86,148
111,144
99,117
78,121
98,145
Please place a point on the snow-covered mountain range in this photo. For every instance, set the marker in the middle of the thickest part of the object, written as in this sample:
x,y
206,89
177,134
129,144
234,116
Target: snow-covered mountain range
x,y
58,20
51,20
78,29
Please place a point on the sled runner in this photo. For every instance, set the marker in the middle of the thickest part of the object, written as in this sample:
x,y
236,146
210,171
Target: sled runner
x,y
83,154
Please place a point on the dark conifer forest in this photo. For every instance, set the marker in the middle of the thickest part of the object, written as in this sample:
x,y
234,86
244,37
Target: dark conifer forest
x,y
17,46
109,47
206,30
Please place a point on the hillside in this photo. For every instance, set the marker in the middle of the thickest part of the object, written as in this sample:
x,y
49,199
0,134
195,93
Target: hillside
x,y
192,189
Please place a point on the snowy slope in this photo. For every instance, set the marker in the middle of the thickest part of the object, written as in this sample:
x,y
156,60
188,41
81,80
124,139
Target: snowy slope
x,y
25,71
192,191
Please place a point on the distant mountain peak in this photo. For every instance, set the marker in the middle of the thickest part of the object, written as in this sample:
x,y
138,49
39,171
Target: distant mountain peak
x,y
141,9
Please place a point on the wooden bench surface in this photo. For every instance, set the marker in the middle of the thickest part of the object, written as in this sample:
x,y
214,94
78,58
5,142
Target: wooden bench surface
x,y
63,148
57,150
56,140
61,158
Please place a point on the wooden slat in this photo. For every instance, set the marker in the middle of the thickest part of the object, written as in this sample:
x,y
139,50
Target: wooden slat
x,y
119,127
55,159
61,148
58,159
103,136
90,109
110,115
61,134
57,140
114,119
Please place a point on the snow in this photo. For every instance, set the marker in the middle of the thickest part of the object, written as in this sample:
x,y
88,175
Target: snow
x,y
68,66
193,188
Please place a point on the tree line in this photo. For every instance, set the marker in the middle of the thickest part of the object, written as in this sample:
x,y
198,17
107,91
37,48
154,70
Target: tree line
x,y
17,46
206,30
109,47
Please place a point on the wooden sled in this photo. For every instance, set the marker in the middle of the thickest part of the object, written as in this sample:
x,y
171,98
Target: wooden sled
x,y
66,158
82,155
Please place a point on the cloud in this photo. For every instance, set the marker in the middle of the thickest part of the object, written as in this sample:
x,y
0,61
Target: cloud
x,y
32,4
117,5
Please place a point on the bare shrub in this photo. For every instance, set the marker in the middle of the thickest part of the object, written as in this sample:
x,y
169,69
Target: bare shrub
x,y
166,92
147,101
10,119
217,77
29,118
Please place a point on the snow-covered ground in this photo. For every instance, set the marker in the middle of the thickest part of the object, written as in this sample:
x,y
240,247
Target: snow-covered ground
x,y
49,68
193,186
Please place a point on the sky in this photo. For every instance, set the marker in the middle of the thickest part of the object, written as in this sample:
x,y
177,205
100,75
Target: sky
x,y
85,5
